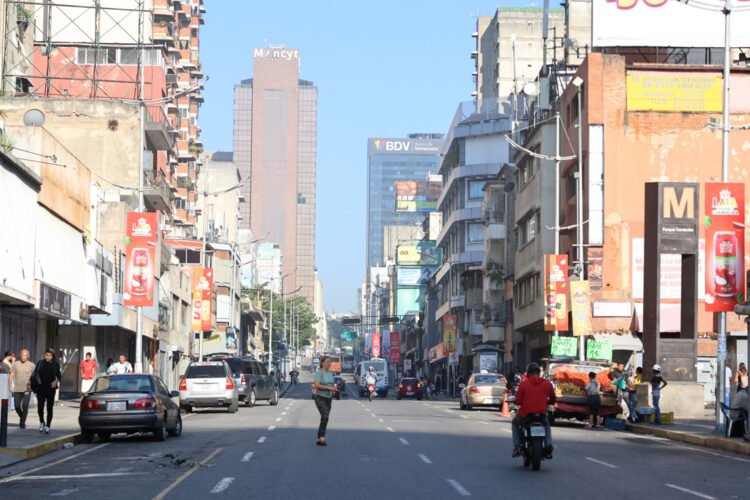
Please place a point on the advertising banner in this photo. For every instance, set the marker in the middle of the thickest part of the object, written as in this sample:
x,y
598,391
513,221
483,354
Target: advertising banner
x,y
449,333
488,361
395,347
599,349
725,245
564,346
556,292
419,253
203,285
672,91
409,300
665,23
413,276
417,196
595,267
140,260
376,344
580,306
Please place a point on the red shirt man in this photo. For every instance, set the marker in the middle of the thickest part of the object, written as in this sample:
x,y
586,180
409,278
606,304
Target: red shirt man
x,y
88,372
534,394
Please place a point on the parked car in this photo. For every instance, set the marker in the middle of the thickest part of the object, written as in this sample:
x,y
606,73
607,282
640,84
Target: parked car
x,y
409,387
483,389
340,385
129,403
208,384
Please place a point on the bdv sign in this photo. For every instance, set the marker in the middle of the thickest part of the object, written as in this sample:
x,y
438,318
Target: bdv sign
x,y
387,145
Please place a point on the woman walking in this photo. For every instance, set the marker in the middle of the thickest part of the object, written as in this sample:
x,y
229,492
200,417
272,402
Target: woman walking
x,y
45,380
741,378
323,392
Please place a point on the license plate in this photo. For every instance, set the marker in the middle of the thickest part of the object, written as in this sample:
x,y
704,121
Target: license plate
x,y
409,393
116,406
491,401
204,387
537,431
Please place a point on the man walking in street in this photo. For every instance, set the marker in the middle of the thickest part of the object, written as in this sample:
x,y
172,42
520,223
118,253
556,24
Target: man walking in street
x,y
88,372
123,366
20,385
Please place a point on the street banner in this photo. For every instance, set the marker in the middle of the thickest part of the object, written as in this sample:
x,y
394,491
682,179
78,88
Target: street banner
x,y
203,284
376,344
580,306
449,333
595,267
140,258
599,349
564,346
556,292
395,347
725,245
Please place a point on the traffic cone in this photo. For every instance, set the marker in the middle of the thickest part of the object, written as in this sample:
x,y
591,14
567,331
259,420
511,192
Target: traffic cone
x,y
506,408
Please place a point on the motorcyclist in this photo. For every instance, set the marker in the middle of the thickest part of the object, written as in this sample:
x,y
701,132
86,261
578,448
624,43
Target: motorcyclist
x,y
532,396
371,377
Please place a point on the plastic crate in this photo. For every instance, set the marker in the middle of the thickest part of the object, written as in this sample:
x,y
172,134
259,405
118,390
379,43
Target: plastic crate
x,y
645,410
666,418
615,424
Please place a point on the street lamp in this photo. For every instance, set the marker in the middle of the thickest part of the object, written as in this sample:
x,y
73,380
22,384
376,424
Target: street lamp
x,y
270,330
578,83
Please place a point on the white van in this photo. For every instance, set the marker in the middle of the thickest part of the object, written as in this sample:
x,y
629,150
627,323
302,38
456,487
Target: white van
x,y
380,366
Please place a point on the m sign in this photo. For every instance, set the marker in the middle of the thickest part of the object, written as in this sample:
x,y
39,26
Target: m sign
x,y
679,208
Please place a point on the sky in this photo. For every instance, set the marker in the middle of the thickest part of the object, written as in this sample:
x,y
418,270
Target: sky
x,y
383,69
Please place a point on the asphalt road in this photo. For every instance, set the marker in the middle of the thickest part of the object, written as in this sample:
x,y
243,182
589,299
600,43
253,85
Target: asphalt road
x,y
379,449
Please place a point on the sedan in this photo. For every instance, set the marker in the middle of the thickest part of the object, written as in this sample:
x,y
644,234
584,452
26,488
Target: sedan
x,y
409,388
483,389
129,403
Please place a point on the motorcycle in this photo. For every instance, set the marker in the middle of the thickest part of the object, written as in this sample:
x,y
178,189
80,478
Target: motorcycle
x,y
294,378
534,446
371,391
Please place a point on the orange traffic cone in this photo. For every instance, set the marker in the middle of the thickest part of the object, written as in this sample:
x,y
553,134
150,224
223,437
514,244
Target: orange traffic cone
x,y
506,409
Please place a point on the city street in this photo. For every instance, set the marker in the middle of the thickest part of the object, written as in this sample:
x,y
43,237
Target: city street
x,y
378,449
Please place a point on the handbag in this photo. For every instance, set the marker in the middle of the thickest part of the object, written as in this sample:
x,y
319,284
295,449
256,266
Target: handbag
x,y
36,379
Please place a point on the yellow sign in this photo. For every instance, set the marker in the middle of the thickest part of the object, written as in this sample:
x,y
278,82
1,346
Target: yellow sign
x,y
674,92
580,306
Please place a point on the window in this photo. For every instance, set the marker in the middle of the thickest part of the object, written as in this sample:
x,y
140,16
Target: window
x,y
571,182
527,290
476,232
475,189
527,229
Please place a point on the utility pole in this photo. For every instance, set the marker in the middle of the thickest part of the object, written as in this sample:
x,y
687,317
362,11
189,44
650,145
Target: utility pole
x,y
578,82
270,333
204,217
557,191
138,362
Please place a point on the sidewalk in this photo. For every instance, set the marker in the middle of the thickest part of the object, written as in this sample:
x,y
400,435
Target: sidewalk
x,y
29,442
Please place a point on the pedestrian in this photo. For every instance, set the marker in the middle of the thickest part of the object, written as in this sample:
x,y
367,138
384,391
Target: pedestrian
x,y
657,384
20,377
5,366
632,399
45,381
88,372
110,367
741,378
594,400
433,391
323,386
123,366
638,376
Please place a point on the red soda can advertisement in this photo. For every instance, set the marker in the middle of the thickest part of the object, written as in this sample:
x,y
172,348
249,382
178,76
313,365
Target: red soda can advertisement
x,y
203,292
725,245
140,258
556,292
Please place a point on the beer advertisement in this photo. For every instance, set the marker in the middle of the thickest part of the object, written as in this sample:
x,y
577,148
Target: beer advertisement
x,y
580,307
203,284
140,258
449,333
556,292
725,249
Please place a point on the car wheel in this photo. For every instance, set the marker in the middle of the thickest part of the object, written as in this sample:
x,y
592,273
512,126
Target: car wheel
x,y
104,436
338,395
419,398
461,404
87,436
233,407
274,398
250,399
398,398
469,407
160,433
177,430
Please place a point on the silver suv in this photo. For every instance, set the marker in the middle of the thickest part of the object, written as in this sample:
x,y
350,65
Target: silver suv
x,y
208,384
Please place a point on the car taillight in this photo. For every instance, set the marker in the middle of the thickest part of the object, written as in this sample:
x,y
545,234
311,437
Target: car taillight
x,y
400,386
474,389
230,384
183,385
419,385
89,404
145,403
244,380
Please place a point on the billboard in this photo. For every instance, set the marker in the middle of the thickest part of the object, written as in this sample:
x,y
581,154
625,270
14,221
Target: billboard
x,y
247,255
580,306
664,23
419,253
674,91
413,276
725,245
140,260
417,196
409,300
556,292
395,347
203,285
449,333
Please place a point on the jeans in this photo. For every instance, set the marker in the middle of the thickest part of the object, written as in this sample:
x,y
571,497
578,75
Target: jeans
x,y
632,400
324,407
655,396
516,430
48,397
21,400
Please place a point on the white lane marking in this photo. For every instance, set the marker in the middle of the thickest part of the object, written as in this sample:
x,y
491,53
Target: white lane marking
x,y
283,413
247,456
262,439
374,415
507,430
222,485
65,492
424,458
123,469
601,463
685,490
381,420
460,489
77,476
390,429
404,441
687,447
463,416
271,427
278,419
449,411
482,422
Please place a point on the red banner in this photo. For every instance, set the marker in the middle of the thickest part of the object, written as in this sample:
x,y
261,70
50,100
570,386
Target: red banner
x,y
140,258
203,285
556,292
449,333
395,347
376,344
725,245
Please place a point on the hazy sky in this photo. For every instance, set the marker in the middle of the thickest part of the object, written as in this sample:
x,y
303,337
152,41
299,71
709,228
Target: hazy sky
x,y
383,69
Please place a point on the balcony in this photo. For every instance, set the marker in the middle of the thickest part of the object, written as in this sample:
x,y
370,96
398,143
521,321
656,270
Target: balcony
x,y
163,13
164,33
158,129
157,193
492,212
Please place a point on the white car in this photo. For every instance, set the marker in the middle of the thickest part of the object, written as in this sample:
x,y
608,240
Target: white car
x,y
209,384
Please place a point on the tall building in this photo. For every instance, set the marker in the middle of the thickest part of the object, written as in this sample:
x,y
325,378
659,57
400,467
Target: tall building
x,y
388,161
275,139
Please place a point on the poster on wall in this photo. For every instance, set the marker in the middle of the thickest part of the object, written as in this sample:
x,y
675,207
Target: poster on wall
x,y
449,333
595,267
725,237
376,344
488,362
670,279
203,284
140,259
556,292
580,306
395,347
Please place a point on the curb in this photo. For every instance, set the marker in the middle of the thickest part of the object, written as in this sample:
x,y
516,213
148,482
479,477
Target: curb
x,y
714,442
37,450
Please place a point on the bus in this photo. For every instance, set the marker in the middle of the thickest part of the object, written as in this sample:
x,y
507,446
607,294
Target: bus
x,y
380,366
347,363
335,363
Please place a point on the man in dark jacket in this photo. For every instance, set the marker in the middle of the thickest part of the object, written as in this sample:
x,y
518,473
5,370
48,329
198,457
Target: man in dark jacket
x,y
533,396
45,382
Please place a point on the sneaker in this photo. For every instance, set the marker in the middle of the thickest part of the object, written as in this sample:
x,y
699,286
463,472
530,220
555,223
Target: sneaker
x,y
22,425
41,427
46,430
588,426
548,451
516,451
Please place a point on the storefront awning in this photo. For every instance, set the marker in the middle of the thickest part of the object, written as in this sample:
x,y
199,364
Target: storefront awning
x,y
486,347
669,317
625,342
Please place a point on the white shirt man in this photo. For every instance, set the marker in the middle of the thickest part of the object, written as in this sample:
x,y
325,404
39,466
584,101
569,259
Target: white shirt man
x,y
123,366
371,378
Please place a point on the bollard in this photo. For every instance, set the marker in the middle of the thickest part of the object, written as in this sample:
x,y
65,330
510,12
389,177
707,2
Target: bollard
x,y
5,395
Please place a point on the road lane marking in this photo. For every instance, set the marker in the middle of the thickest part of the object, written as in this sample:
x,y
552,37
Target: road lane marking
x,y
685,490
404,441
482,422
601,463
278,419
11,478
390,429
271,427
186,474
247,456
381,420
65,492
283,413
262,439
463,416
460,489
222,485
424,458
81,476
507,430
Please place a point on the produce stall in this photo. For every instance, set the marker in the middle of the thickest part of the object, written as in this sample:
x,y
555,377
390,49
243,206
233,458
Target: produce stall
x,y
569,378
